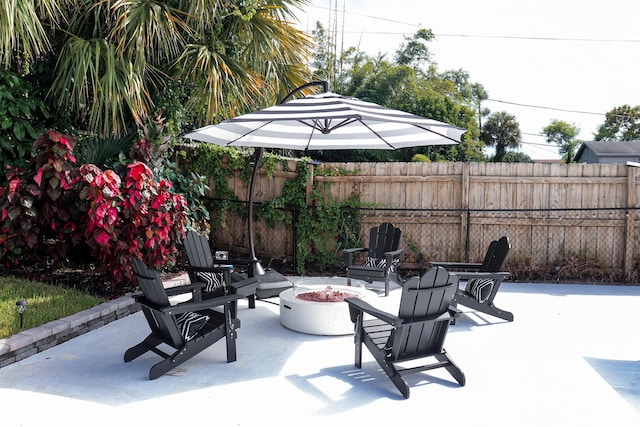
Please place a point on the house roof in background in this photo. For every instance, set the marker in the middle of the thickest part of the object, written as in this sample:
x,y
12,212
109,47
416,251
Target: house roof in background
x,y
611,148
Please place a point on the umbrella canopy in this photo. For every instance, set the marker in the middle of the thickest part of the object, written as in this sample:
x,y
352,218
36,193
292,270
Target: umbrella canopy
x,y
324,121
328,121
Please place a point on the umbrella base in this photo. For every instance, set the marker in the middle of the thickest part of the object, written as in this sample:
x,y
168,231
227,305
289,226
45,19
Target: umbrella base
x,y
271,284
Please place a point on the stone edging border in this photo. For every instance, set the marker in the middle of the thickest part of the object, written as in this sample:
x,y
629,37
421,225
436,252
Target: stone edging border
x,y
33,341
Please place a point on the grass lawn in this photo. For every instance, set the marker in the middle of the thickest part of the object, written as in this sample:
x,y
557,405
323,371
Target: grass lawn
x,y
44,303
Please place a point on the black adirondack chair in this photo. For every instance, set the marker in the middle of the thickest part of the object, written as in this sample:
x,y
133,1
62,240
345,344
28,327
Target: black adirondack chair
x,y
483,280
383,257
188,327
416,334
217,273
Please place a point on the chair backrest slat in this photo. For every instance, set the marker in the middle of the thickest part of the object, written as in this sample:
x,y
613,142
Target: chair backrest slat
x,y
383,238
150,283
427,295
162,324
422,297
498,255
198,250
488,257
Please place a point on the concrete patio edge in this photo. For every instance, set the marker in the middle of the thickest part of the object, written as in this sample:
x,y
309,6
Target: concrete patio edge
x,y
32,341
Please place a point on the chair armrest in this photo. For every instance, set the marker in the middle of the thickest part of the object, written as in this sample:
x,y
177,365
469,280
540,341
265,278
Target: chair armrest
x,y
348,254
357,305
184,289
390,256
466,275
219,269
353,250
184,307
457,265
248,264
194,288
240,261
245,287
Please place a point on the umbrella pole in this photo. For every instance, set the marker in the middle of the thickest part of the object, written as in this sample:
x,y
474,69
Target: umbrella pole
x,y
258,270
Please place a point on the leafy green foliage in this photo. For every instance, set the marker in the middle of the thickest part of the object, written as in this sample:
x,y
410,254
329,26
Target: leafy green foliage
x,y
102,151
218,163
20,119
420,158
516,157
564,135
322,228
414,51
621,124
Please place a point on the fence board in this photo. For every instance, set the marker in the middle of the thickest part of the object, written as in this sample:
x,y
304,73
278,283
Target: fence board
x,y
549,211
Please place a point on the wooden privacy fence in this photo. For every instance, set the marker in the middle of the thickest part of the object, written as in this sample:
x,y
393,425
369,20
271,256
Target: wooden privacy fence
x,y
451,211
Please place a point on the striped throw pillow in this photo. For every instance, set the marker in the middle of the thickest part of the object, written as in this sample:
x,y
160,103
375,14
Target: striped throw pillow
x,y
190,324
480,289
214,282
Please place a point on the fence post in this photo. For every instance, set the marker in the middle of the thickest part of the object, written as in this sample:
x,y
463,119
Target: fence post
x,y
464,205
632,173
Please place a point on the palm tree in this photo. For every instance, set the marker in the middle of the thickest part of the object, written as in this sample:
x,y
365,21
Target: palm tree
x,y
502,130
23,35
111,58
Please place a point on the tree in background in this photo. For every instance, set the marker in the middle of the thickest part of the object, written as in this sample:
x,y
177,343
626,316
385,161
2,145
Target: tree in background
x,y
414,52
564,135
516,157
411,83
474,93
620,124
501,130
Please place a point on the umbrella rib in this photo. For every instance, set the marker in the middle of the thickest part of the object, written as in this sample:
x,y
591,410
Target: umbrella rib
x,y
378,135
247,133
313,129
437,133
326,127
345,122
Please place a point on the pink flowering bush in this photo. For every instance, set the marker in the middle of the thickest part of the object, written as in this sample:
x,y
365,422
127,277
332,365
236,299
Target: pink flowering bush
x,y
57,206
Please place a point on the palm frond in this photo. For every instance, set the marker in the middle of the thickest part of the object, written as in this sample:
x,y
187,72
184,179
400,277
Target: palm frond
x,y
95,82
152,27
21,32
220,80
100,151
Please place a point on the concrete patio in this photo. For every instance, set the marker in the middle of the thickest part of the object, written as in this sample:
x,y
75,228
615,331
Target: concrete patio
x,y
570,358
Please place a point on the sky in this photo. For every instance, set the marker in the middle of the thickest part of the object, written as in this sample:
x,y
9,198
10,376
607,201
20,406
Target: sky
x,y
570,60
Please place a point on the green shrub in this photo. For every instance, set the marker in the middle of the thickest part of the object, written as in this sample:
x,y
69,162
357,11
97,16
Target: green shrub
x,y
19,114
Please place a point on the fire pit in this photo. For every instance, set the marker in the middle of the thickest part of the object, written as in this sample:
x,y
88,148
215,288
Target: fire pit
x,y
316,305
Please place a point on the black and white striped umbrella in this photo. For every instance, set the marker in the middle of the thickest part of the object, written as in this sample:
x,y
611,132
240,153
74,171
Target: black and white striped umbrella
x,y
328,121
324,121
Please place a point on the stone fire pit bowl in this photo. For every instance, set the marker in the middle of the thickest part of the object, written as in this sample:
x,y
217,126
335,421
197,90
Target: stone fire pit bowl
x,y
316,305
